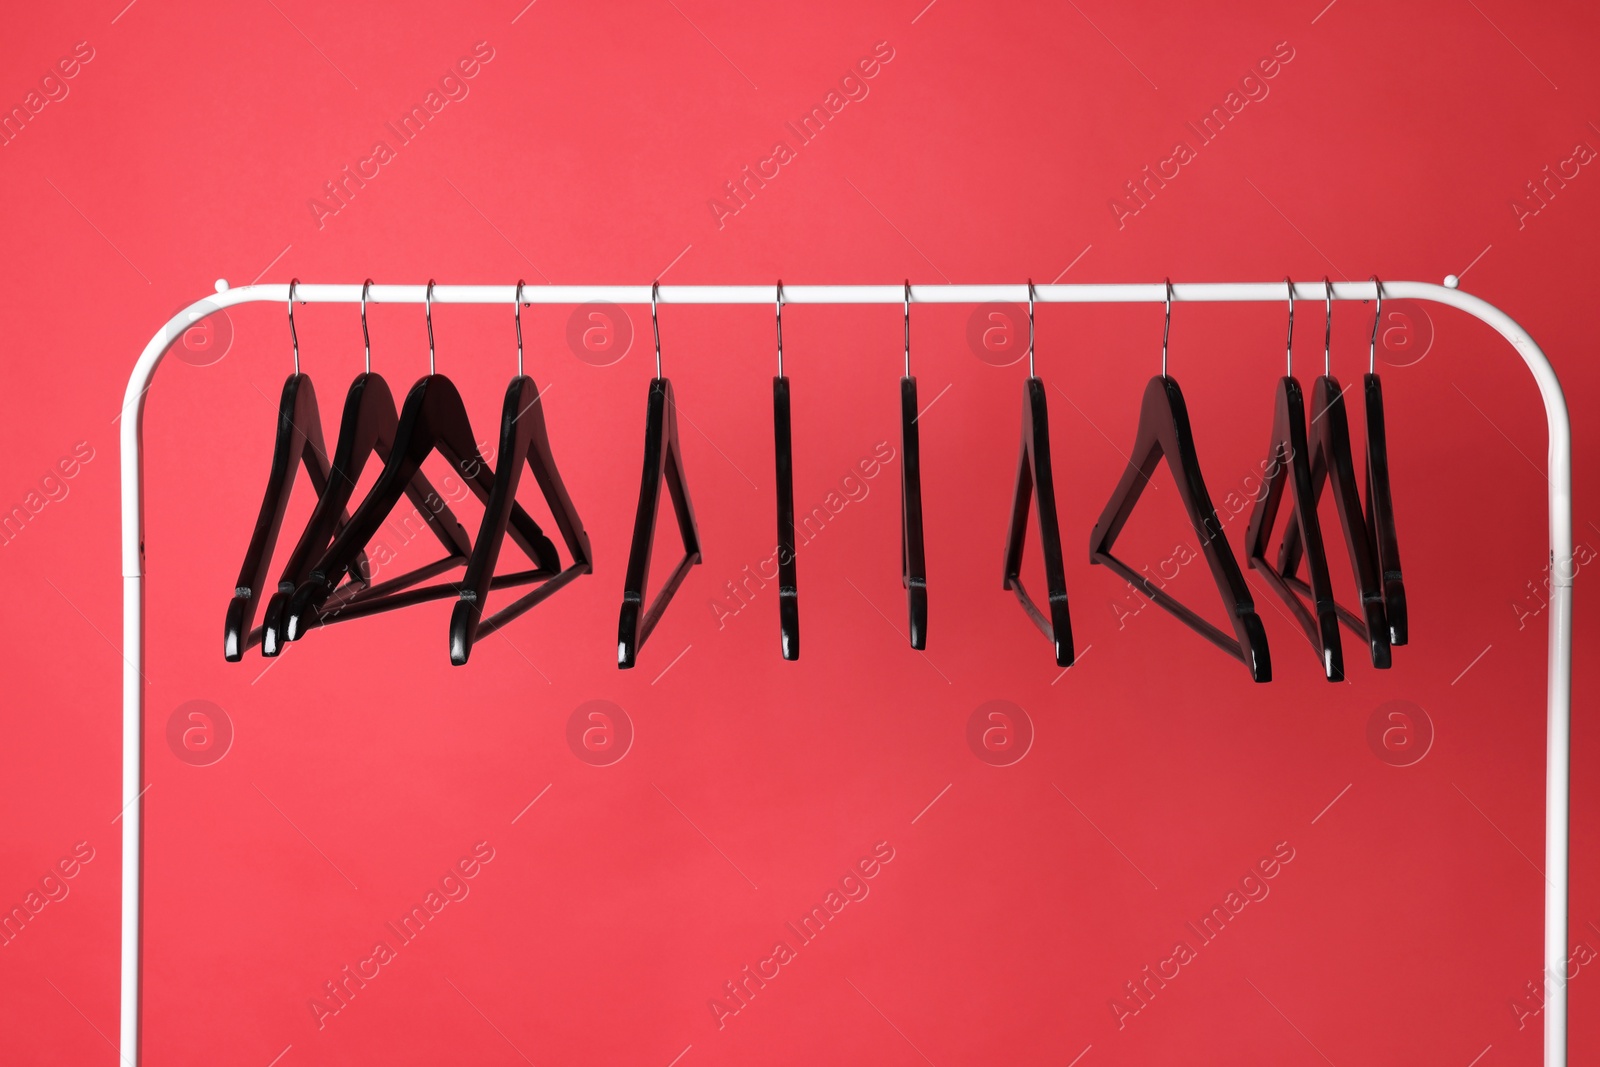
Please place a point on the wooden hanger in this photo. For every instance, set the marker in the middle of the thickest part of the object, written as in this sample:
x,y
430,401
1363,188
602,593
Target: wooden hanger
x,y
662,463
523,439
1289,468
1165,433
1035,476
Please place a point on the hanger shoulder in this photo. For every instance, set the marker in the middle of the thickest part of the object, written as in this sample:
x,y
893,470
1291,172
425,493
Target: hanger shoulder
x,y
642,546
450,431
913,561
1380,513
1038,446
788,581
1325,636
1183,459
1036,479
411,445
1281,448
1288,472
369,415
427,501
298,425
414,439
677,485
474,592
1332,463
662,463
541,461
377,430
1165,432
523,439
1157,412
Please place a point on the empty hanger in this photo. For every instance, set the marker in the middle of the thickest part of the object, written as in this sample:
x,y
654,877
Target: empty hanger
x,y
913,564
1035,477
298,442
1164,432
1289,467
662,462
433,418
523,437
367,426
783,449
1332,463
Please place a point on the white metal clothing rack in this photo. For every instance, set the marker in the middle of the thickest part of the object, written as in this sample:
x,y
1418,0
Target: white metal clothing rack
x,y
1560,516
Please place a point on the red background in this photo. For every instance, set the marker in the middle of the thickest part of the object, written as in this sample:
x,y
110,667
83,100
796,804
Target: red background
x,y
988,148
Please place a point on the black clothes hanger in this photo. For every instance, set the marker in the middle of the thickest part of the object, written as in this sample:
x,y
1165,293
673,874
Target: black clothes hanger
x,y
298,442
1380,513
913,564
523,437
1034,472
1380,503
1331,463
1289,467
432,418
368,425
662,462
783,449
1164,432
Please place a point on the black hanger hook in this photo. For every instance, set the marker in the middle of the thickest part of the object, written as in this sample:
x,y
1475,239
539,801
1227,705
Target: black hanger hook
x,y
655,323
517,306
908,327
1372,342
1166,328
1289,345
428,310
366,338
294,338
1030,328
779,299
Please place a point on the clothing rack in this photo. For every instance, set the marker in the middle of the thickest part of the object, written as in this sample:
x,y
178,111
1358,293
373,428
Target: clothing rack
x,y
1559,691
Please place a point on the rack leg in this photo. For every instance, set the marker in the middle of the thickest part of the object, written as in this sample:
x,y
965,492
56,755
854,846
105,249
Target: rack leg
x,y
1557,800
132,816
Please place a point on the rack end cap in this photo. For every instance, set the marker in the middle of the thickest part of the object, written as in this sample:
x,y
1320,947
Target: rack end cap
x,y
1451,281
222,285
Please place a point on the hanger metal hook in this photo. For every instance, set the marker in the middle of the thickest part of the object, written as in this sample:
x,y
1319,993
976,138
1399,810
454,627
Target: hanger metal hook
x,y
1166,329
1377,315
366,338
655,323
428,310
908,327
779,299
1289,345
294,338
1030,328
1327,328
517,311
